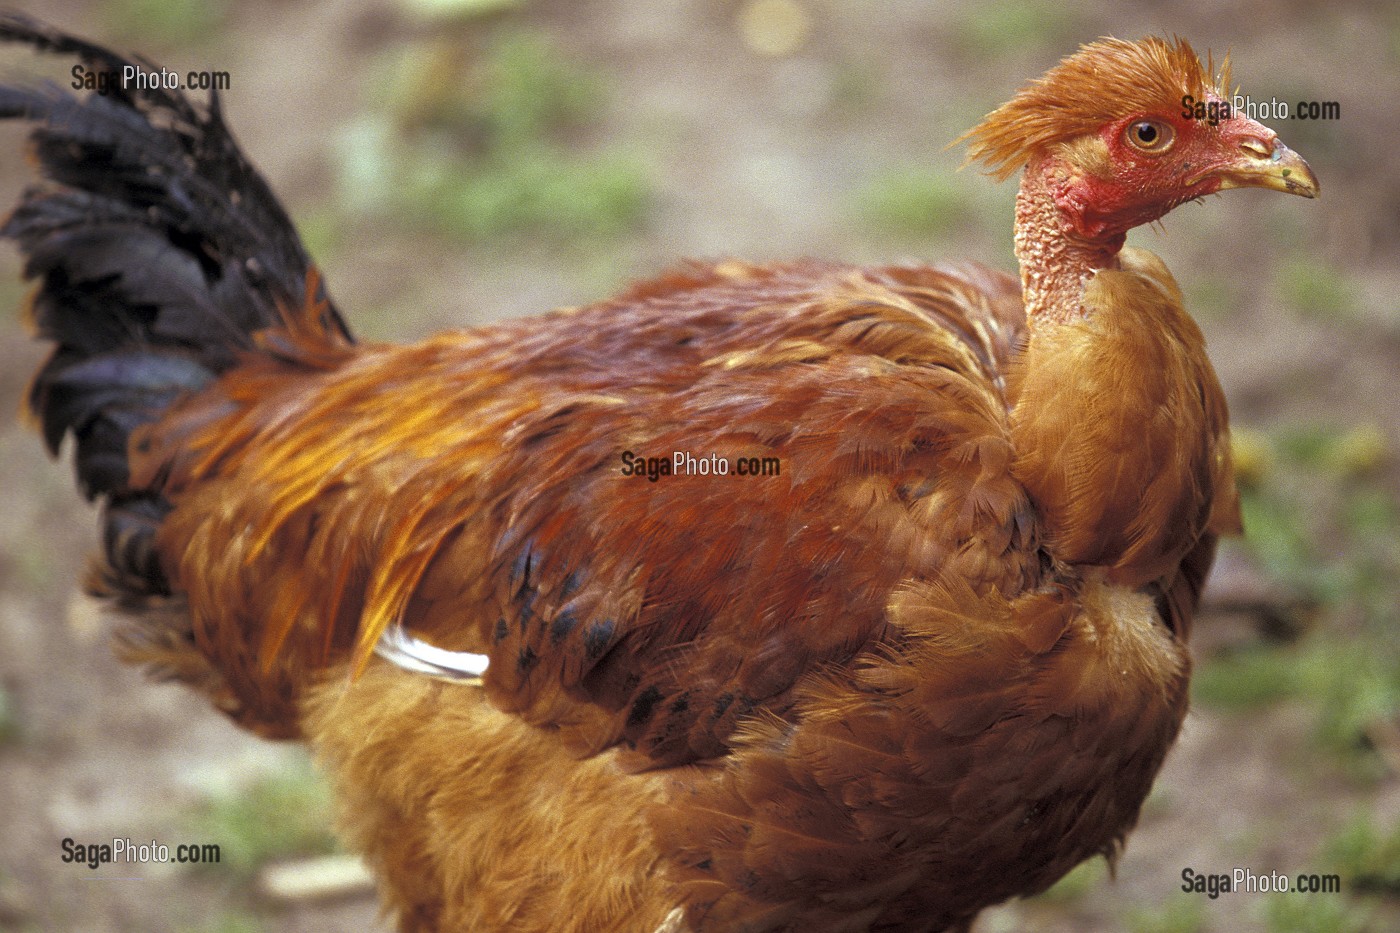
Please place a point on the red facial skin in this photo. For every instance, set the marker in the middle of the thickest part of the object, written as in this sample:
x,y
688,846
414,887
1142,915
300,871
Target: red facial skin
x,y
1143,185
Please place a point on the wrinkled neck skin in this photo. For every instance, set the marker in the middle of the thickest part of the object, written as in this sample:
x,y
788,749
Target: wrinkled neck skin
x,y
1056,257
1118,422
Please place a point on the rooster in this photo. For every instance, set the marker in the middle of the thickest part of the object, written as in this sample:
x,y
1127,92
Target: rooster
x,y
758,598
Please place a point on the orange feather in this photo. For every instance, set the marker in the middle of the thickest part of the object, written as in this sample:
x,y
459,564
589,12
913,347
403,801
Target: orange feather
x,y
930,657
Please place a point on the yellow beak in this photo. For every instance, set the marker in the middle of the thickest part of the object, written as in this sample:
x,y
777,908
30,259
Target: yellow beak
x,y
1269,165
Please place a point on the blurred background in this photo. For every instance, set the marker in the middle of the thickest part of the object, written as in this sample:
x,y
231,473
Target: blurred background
x,y
452,162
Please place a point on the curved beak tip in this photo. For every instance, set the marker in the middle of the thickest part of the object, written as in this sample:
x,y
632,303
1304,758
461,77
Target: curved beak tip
x,y
1281,169
1301,180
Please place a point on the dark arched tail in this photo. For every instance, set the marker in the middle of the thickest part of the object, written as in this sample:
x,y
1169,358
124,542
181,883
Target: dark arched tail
x,y
158,252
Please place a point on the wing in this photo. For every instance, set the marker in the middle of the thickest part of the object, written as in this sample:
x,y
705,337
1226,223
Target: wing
x,y
656,516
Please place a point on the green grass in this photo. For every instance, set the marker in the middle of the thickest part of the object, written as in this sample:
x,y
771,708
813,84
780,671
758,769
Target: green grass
x,y
288,815
537,191
9,719
1339,451
1280,536
1184,914
1355,686
322,232
1082,879
1365,855
1313,913
1317,289
1321,521
231,923
529,90
170,22
916,202
459,9
1211,298
1246,679
998,29
493,146
1350,685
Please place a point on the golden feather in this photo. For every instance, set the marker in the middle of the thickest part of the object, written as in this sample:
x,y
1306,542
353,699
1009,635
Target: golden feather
x,y
1149,75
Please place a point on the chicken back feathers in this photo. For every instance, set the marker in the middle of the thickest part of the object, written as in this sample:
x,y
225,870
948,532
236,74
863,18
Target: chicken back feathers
x,y
920,647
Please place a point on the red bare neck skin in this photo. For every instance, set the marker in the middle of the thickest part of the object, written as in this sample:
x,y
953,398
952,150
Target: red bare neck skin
x,y
1056,258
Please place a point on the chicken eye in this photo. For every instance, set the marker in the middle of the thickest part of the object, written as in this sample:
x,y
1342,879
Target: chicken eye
x,y
1151,135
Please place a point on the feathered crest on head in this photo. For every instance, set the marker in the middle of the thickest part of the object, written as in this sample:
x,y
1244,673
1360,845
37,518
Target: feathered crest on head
x,y
1102,82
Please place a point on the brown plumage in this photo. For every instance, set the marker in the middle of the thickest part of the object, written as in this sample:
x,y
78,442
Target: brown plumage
x,y
930,661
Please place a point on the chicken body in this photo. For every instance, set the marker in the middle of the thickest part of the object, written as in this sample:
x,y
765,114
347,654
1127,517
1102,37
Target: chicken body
x,y
930,657
820,707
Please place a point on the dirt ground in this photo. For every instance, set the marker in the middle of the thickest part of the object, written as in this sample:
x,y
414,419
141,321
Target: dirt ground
x,y
748,155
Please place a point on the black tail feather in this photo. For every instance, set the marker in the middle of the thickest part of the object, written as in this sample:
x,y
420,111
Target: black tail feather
x,y
159,252
104,398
